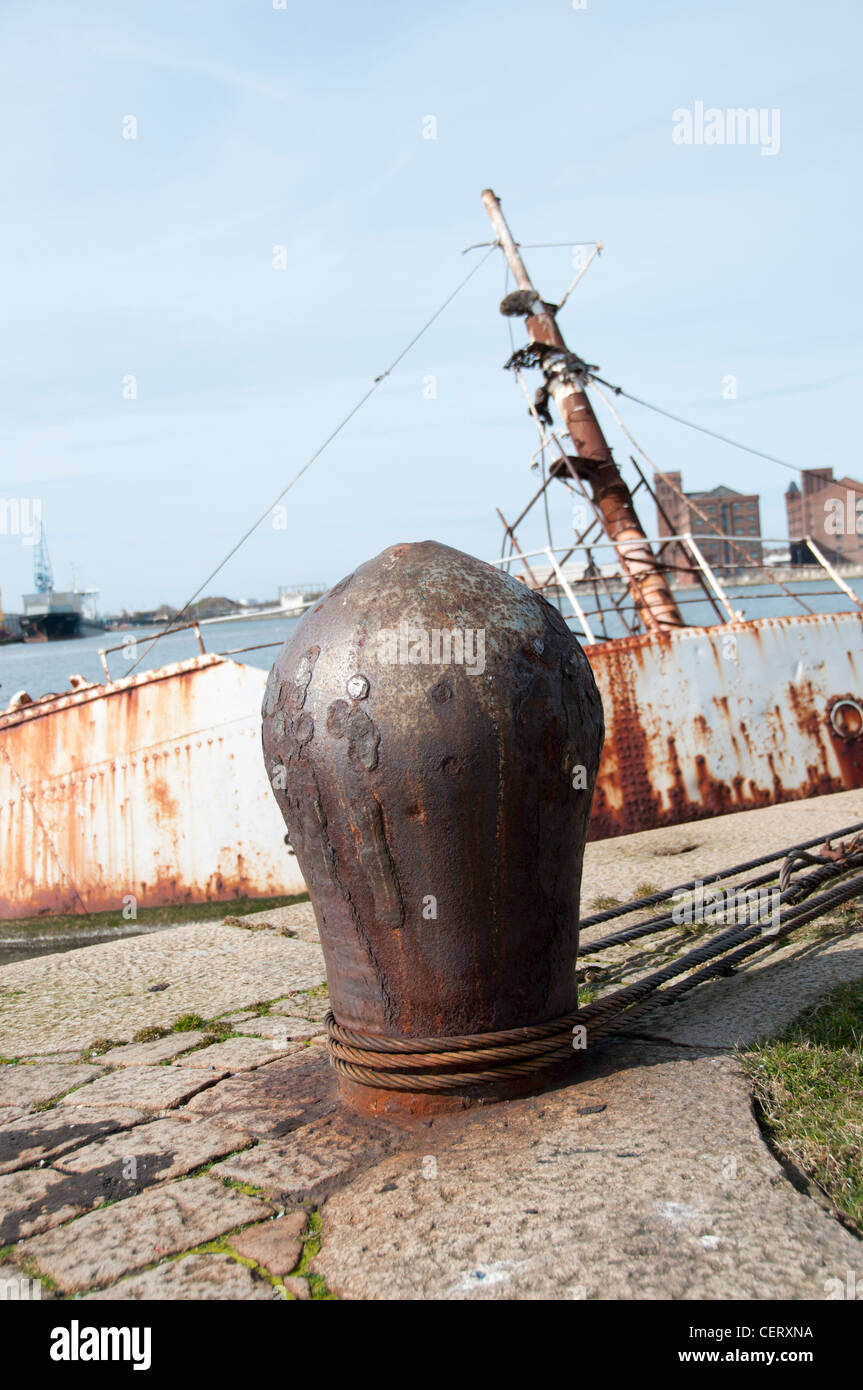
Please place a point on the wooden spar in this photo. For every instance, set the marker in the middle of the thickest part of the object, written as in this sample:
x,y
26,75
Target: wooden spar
x,y
645,577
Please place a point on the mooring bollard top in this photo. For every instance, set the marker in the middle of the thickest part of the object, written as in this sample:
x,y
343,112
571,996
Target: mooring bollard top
x,y
432,733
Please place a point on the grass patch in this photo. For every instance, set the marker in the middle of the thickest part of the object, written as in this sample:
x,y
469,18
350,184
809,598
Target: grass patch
x,y
99,1048
248,1189
214,1030
312,1237
32,1271
189,1023
808,1089
605,903
150,1034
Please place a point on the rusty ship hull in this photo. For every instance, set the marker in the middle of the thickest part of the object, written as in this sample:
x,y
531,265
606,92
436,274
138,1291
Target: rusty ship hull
x,y
152,789
140,792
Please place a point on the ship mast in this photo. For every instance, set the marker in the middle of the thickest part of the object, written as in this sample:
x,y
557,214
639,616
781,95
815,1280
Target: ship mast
x,y
565,376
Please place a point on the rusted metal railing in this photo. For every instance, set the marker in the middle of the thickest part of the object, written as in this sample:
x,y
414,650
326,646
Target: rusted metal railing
x,y
105,652
134,635
717,580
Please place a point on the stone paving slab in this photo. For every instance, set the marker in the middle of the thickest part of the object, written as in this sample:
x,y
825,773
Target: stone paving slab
x,y
276,1245
310,1007
237,1054
297,920
276,1097
35,1199
282,1028
102,1246
70,1056
298,1287
114,990
198,1277
36,1138
149,1054
151,1089
26,1085
667,1191
309,1162
154,1152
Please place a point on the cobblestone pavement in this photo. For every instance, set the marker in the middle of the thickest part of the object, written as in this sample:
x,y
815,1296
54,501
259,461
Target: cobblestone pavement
x,y
170,1128
133,1072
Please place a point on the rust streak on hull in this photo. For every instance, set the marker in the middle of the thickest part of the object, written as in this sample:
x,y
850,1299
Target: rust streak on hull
x,y
704,721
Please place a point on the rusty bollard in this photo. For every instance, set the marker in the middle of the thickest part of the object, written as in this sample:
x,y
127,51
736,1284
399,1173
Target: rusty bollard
x,y
432,733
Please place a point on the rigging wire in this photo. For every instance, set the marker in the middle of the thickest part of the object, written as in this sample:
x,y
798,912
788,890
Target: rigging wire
x,y
702,429
315,456
619,390
734,545
582,271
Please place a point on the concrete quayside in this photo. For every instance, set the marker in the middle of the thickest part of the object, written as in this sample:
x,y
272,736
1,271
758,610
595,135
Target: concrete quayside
x,y
213,1161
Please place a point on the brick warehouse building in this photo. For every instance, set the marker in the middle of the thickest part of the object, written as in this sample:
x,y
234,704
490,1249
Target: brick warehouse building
x,y
830,510
724,512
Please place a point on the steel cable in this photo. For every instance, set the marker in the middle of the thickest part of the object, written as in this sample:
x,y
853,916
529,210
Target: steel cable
x,y
454,1063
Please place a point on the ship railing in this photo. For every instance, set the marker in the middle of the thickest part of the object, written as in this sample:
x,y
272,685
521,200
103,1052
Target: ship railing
x,y
134,636
613,586
105,652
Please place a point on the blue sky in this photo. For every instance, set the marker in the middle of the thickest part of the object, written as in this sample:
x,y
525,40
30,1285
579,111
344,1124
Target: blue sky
x,y
303,127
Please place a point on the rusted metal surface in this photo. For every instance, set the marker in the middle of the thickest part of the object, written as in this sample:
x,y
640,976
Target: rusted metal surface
x,y
649,585
710,720
153,785
436,810
149,787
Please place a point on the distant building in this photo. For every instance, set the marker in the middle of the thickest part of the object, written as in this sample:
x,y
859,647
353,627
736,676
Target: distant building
x,y
721,513
298,596
828,509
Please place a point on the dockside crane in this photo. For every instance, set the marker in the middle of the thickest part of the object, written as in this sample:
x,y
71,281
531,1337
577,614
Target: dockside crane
x,y
43,576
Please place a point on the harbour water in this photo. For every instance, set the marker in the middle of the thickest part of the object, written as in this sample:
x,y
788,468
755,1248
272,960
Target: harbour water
x,y
44,667
31,938
40,668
